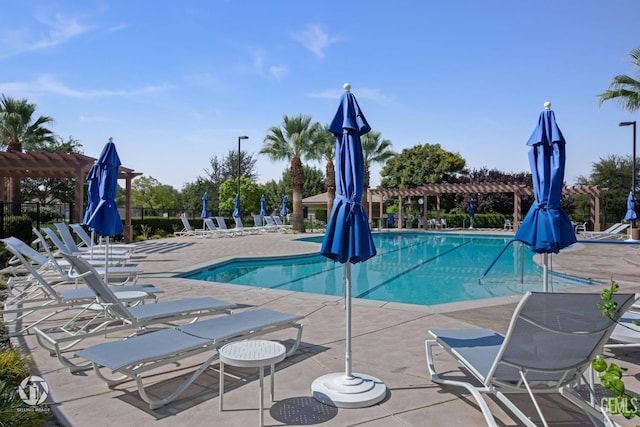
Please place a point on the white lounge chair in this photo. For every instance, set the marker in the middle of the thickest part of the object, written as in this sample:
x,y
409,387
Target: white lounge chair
x,y
119,258
242,229
41,294
115,316
264,223
131,358
280,224
69,241
210,228
551,341
88,242
222,225
112,266
187,230
508,225
613,232
626,334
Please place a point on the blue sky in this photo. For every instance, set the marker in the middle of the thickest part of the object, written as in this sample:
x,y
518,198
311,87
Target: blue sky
x,y
175,83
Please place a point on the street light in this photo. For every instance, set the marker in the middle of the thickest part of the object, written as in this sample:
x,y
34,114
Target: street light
x,y
239,138
633,161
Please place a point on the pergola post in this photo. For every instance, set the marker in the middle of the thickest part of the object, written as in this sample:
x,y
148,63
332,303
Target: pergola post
x,y
128,227
517,205
76,215
400,216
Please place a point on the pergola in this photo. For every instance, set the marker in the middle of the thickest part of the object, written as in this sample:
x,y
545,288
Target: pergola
x,y
484,188
60,165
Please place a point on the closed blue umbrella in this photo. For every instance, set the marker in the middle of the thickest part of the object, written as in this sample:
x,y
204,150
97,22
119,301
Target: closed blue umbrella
x,y
263,206
205,206
236,208
547,228
348,240
472,212
105,219
93,196
631,208
283,209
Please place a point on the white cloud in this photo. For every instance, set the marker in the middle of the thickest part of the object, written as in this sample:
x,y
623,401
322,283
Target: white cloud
x,y
314,39
361,93
278,71
60,30
48,85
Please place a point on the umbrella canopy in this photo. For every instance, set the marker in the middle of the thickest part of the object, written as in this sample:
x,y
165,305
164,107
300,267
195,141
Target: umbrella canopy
x,y
348,240
205,206
631,208
547,228
236,208
105,218
93,192
283,210
263,206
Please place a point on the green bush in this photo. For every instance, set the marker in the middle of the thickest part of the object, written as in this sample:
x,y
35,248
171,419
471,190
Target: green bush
x,y
20,227
321,214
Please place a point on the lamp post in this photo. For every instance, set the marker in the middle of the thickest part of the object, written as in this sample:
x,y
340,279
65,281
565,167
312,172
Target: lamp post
x,y
239,139
633,162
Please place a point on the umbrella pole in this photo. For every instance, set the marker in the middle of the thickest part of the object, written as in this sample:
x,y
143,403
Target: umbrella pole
x,y
92,240
106,260
545,272
347,356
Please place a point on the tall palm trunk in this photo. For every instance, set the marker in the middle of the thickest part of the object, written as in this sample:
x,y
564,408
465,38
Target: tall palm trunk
x,y
330,183
15,193
297,185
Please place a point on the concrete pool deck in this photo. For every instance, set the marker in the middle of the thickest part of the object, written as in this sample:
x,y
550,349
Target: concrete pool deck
x,y
387,342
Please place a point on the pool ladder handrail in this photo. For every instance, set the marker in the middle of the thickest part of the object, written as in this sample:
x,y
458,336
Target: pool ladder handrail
x,y
496,260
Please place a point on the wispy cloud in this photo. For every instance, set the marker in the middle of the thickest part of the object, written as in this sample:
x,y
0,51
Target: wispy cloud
x,y
371,94
47,85
46,30
315,39
278,71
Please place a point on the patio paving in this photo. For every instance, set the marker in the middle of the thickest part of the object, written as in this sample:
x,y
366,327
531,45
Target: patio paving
x,y
387,342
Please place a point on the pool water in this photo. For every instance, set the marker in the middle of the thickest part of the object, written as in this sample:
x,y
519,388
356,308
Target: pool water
x,y
416,268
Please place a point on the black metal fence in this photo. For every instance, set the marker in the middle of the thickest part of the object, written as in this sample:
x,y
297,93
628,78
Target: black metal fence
x,y
38,212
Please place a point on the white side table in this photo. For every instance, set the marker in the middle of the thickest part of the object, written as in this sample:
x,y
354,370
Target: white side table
x,y
252,354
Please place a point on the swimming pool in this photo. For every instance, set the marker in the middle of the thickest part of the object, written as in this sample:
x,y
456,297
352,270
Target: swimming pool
x,y
416,268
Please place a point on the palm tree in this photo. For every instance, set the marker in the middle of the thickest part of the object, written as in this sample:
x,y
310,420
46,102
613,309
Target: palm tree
x,y
375,150
18,131
623,88
324,148
292,141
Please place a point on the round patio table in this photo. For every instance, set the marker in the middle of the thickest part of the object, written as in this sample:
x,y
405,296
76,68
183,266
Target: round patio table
x,y
252,354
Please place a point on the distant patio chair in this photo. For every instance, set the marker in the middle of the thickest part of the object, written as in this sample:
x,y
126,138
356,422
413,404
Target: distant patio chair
x,y
508,225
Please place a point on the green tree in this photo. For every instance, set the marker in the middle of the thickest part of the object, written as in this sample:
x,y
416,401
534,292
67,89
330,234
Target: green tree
x,y
324,148
422,164
190,198
291,141
493,202
250,193
625,89
375,150
18,131
148,192
52,190
223,169
611,172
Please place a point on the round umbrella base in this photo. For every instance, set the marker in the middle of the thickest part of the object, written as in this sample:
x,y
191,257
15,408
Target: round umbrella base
x,y
357,391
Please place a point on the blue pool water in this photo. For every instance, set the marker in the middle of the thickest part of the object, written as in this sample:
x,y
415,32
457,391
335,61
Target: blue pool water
x,y
415,268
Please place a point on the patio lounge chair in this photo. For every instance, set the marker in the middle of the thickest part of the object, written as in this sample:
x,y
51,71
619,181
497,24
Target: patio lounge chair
x,y
187,230
264,223
120,273
613,232
88,242
131,358
70,242
119,258
115,316
41,294
551,341
222,225
280,224
211,229
626,334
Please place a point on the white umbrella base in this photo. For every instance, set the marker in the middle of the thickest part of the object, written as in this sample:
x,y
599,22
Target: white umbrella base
x,y
357,391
